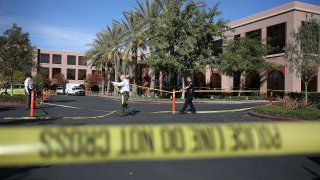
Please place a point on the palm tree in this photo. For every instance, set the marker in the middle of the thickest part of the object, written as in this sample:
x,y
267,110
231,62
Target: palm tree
x,y
104,52
132,42
95,54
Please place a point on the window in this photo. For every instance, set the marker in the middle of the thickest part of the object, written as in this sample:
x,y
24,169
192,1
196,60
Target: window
x,y
55,71
71,60
56,59
71,74
44,58
276,38
44,72
256,34
82,61
82,73
236,37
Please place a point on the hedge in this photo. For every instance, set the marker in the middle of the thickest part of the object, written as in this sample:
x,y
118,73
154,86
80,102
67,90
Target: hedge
x,y
313,98
15,98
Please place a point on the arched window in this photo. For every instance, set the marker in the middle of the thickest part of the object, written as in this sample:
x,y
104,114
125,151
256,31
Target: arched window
x,y
199,80
276,80
252,81
215,81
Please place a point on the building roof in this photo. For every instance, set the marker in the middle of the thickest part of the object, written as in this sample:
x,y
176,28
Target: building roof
x,y
292,6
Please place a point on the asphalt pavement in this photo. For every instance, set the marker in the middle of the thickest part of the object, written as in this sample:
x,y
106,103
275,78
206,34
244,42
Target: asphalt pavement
x,y
88,110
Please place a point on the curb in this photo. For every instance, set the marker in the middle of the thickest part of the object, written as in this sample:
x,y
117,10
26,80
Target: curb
x,y
194,102
267,117
11,104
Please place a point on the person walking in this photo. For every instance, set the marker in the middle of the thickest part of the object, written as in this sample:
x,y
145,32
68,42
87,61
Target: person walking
x,y
189,96
28,88
124,95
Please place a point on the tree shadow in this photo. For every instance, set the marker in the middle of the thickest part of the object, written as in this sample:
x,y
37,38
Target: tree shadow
x,y
63,100
30,121
7,108
316,160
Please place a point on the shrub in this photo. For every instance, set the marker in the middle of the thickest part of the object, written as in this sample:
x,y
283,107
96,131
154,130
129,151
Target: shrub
x,y
288,102
15,98
313,98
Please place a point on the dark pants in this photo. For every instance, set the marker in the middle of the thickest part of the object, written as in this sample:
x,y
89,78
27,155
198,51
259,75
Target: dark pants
x,y
28,99
187,102
123,103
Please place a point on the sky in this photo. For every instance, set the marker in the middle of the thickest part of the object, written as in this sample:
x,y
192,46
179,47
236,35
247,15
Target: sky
x,y
71,25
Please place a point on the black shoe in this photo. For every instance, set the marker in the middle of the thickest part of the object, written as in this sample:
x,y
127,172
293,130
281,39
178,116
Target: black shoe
x,y
182,112
193,112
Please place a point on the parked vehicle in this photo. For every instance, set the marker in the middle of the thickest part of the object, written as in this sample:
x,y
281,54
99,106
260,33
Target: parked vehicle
x,y
74,89
59,90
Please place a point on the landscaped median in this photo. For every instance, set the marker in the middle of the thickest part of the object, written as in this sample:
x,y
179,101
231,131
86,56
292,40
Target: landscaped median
x,y
275,112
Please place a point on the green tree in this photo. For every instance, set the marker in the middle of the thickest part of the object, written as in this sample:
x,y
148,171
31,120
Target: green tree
x,y
244,55
37,79
303,54
182,39
19,77
16,53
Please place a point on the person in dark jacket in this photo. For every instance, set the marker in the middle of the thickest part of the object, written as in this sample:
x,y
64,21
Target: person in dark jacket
x,y
189,96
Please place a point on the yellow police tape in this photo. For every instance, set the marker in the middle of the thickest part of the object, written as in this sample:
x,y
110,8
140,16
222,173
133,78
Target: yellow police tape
x,y
214,90
79,144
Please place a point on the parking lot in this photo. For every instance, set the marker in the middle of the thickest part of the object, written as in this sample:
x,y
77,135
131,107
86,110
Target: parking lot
x,y
88,110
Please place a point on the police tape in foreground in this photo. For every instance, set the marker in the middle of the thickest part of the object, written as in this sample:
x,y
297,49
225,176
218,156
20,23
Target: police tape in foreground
x,y
76,144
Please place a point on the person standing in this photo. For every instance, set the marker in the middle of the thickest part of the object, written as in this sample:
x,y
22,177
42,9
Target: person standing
x,y
189,96
28,88
124,94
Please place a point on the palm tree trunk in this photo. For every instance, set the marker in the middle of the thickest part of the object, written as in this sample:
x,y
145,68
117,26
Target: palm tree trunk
x,y
115,79
135,70
161,82
152,81
108,81
103,79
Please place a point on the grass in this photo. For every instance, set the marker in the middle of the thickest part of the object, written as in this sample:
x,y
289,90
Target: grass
x,y
301,114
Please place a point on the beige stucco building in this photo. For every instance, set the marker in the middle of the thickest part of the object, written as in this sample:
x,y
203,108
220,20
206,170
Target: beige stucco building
x,y
275,24
72,64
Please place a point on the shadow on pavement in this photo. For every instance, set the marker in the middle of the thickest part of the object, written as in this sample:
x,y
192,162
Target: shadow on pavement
x,y
17,173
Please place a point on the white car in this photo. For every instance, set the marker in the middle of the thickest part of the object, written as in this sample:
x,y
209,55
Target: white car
x,y
59,90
